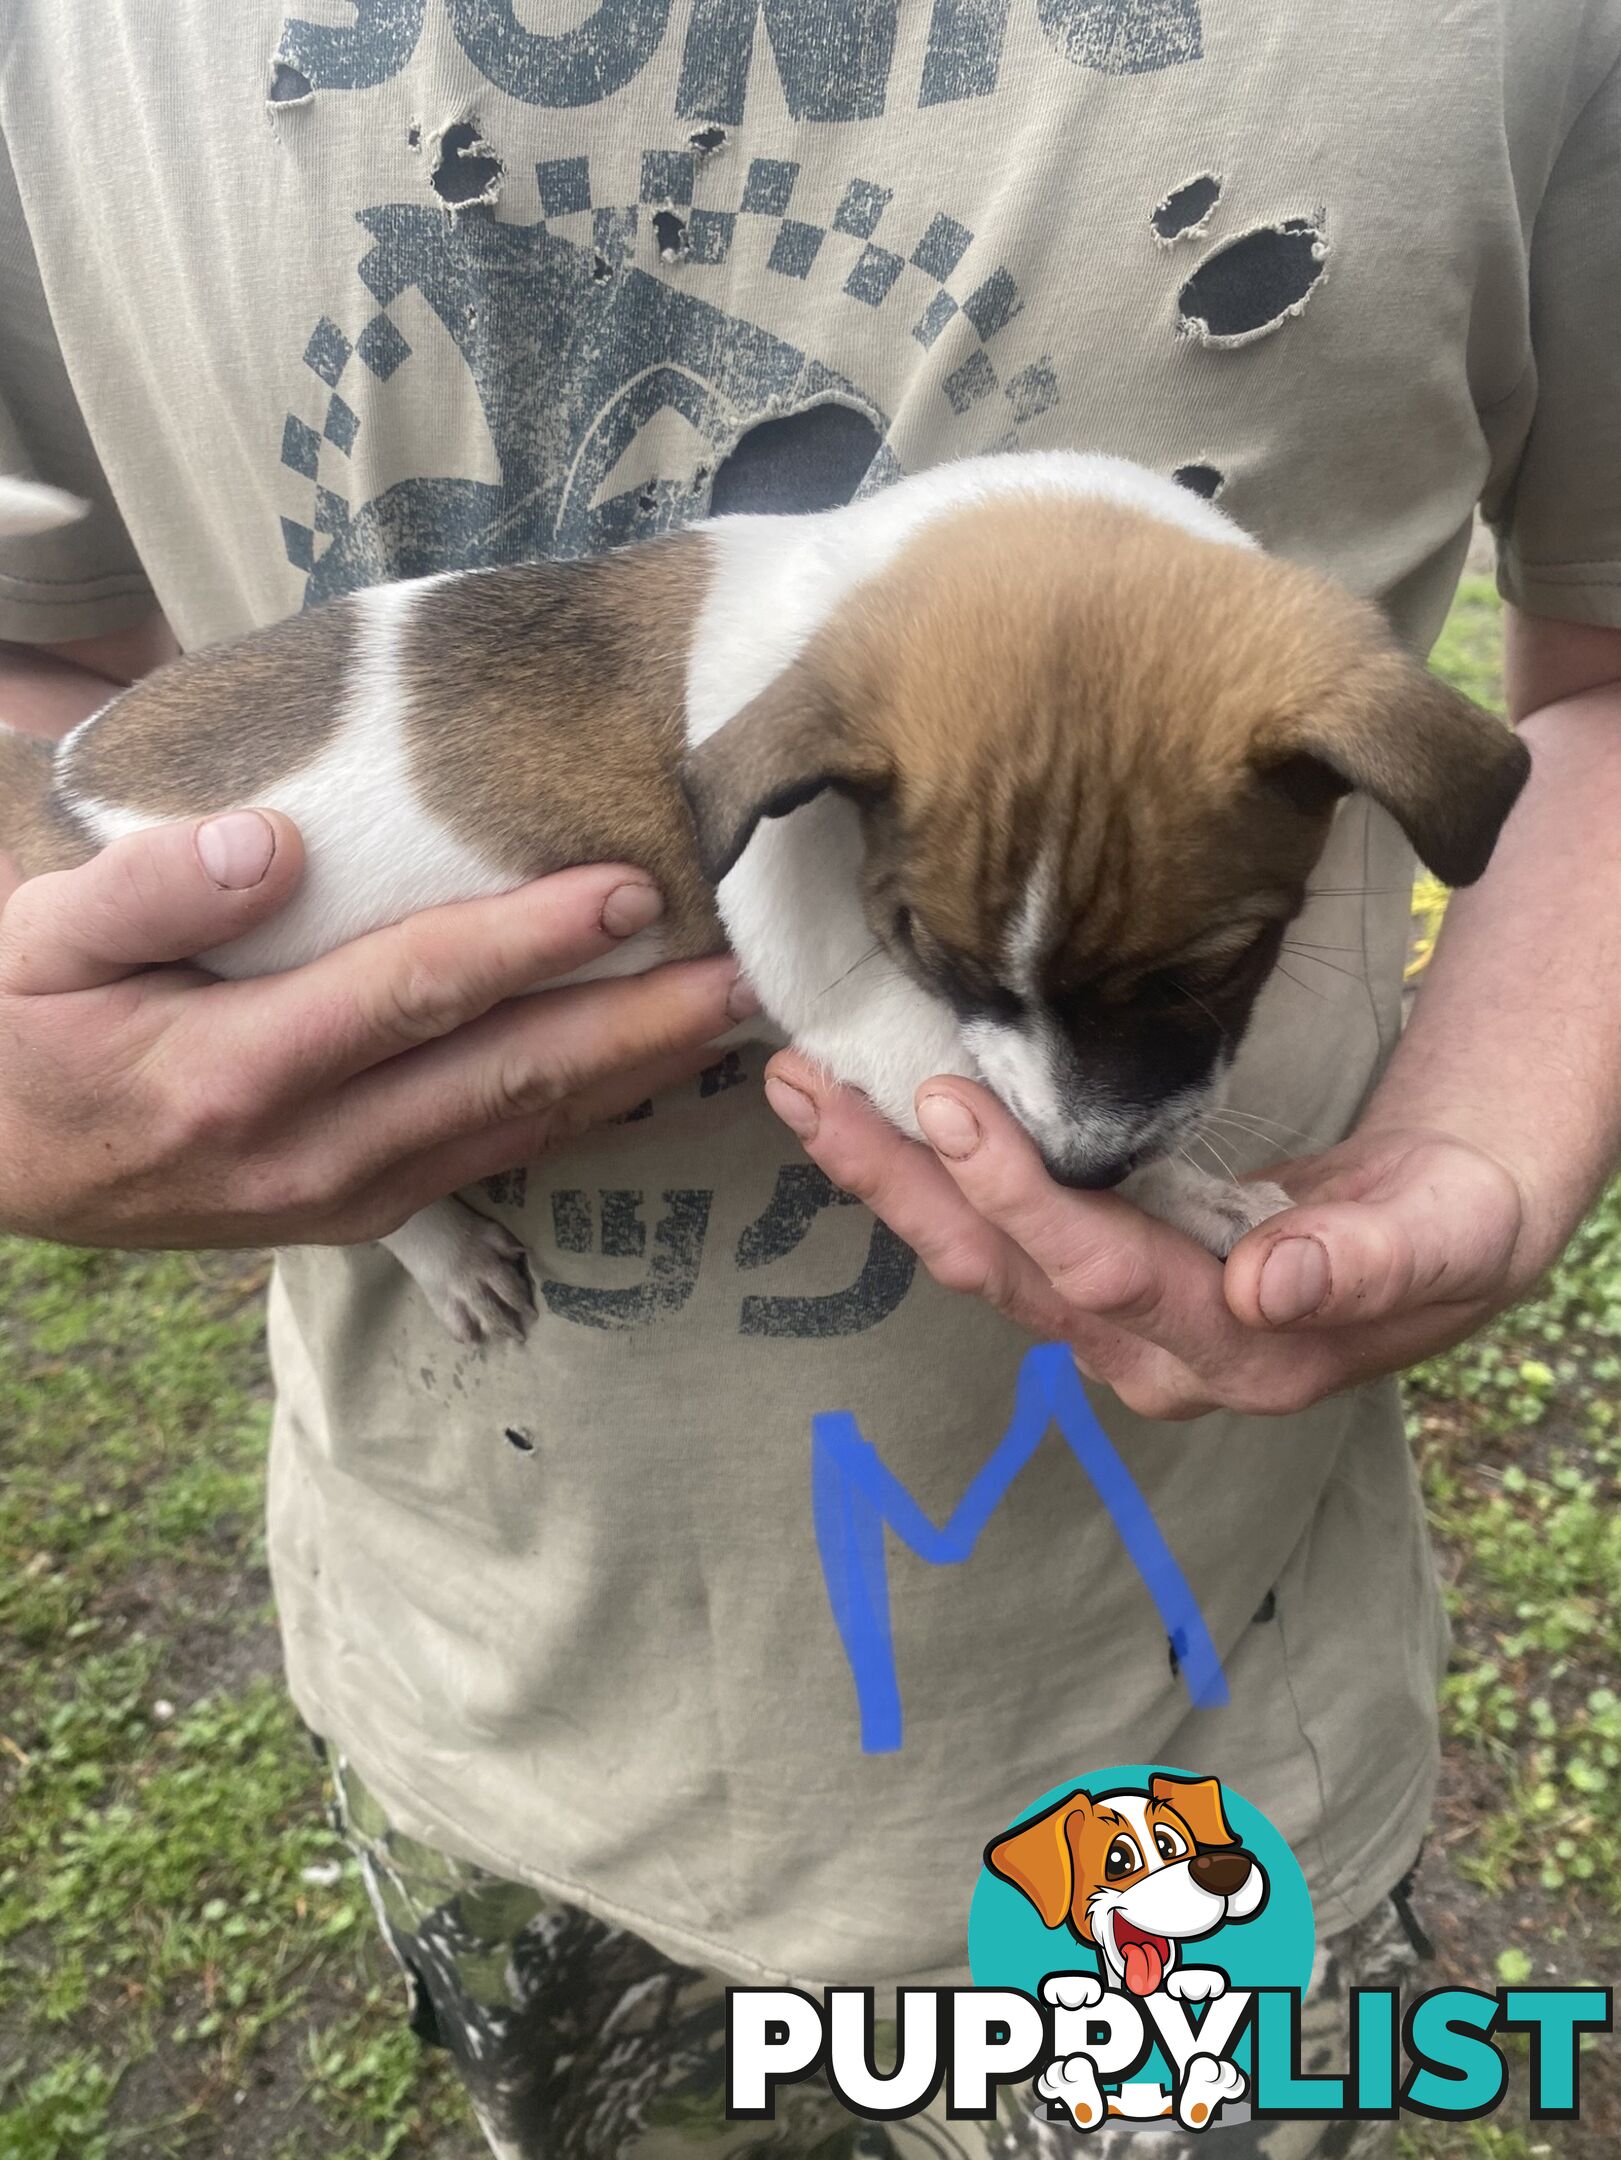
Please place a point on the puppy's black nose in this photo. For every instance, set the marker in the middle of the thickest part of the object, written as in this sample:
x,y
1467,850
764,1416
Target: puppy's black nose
x,y
1093,1177
1223,1874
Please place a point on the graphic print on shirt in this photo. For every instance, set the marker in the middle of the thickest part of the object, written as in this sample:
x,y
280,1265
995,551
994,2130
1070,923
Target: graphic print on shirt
x,y
622,399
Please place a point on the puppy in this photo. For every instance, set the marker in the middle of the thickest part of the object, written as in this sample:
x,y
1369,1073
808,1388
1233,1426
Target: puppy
x,y
1017,771
1136,1875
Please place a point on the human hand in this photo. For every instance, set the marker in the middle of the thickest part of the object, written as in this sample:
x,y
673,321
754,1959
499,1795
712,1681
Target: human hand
x,y
1400,1243
144,1103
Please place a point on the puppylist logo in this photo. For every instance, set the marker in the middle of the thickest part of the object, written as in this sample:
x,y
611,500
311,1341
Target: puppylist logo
x,y
1142,1945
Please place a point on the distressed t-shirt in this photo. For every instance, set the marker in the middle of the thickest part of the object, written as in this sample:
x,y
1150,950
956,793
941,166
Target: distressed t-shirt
x,y
402,285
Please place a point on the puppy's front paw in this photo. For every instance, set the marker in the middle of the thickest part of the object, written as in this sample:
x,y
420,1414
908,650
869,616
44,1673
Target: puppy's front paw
x,y
474,1273
1213,1211
1072,1991
487,1293
1206,2083
1196,1983
1073,2085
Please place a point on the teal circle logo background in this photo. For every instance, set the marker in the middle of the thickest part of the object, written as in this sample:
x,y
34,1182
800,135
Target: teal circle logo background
x,y
1009,1947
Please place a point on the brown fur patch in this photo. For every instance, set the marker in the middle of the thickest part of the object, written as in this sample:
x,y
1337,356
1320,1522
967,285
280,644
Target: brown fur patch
x,y
1165,719
218,726
547,716
36,832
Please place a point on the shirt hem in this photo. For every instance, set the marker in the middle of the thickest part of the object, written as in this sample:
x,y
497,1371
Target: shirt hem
x,y
1568,592
28,618
1352,1897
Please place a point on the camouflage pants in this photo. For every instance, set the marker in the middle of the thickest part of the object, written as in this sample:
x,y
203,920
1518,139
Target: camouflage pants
x,y
578,2041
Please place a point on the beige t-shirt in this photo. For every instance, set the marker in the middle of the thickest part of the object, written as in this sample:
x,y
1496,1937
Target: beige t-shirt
x,y
407,284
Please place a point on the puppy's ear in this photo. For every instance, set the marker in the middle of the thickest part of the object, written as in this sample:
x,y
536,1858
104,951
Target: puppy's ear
x,y
1446,771
1198,1802
798,738
1037,1858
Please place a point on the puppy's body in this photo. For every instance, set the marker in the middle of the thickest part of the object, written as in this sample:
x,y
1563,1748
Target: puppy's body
x,y
956,770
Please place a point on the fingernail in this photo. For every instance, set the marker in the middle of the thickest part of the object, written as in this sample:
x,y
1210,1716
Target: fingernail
x,y
793,1106
949,1127
1295,1280
742,1002
236,849
629,908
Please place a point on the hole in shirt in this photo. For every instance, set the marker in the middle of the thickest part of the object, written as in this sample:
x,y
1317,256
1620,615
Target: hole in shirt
x,y
287,85
466,172
670,235
520,1440
1253,285
809,460
707,141
1205,480
1187,210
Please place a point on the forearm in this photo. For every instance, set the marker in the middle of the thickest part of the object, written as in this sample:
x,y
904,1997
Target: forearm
x,y
1515,1040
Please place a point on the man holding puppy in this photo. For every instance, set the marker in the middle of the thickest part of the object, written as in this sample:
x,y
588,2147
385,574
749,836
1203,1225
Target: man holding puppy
x,y
534,294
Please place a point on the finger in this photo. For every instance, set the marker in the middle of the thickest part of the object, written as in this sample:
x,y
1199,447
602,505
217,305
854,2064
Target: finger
x,y
396,989
1103,1256
863,1154
165,894
1345,1264
530,1058
462,1162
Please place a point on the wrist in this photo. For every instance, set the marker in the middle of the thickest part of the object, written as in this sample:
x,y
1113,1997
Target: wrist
x,y
1542,1201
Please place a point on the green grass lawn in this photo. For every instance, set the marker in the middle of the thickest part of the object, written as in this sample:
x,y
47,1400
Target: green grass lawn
x,y
188,1967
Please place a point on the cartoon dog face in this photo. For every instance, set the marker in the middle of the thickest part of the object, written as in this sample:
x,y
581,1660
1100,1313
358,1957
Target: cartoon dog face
x,y
1134,1874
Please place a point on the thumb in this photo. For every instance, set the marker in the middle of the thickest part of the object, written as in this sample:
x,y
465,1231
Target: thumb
x,y
164,894
1428,1242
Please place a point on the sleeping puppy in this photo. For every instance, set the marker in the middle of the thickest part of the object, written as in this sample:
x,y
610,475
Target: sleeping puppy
x,y
1016,771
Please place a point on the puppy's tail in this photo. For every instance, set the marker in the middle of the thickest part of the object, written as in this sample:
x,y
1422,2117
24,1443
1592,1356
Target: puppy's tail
x,y
33,832
28,506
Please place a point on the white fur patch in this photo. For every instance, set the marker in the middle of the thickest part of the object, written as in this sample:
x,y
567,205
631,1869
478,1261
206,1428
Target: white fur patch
x,y
1020,1062
375,855
1032,927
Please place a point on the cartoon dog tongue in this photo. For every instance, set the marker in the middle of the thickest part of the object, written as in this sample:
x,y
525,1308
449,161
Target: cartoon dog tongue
x,y
1145,1963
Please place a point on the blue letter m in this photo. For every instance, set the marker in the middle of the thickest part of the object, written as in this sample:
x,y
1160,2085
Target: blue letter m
x,y
854,1498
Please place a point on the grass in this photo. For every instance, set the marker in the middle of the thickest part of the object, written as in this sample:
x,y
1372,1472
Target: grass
x,y
183,1968
187,1964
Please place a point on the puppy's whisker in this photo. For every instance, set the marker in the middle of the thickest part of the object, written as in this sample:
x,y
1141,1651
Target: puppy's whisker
x,y
1304,952
1182,990
1197,1167
1261,1125
1299,985
1202,1139
827,988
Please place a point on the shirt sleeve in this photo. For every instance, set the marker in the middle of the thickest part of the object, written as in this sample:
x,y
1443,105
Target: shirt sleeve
x,y
1559,533
85,579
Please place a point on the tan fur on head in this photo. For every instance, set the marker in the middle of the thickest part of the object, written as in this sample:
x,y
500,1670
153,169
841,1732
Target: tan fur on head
x,y
1162,723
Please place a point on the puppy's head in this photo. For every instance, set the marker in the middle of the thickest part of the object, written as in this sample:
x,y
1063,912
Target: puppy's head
x,y
1097,759
1134,1874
